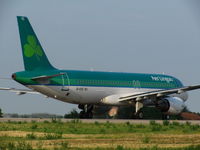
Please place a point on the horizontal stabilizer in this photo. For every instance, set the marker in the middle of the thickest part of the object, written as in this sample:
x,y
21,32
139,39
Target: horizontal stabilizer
x,y
19,91
45,79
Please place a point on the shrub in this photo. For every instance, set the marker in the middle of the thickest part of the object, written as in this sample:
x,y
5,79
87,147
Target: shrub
x,y
156,128
51,136
19,122
188,123
108,124
102,131
46,121
1,114
152,122
96,123
34,126
119,147
145,139
175,123
31,136
23,146
75,121
56,120
39,145
64,145
193,147
72,114
53,120
9,146
166,122
33,121
140,126
194,127
127,123
16,146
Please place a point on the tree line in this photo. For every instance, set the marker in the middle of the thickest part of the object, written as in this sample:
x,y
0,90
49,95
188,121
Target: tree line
x,y
1,114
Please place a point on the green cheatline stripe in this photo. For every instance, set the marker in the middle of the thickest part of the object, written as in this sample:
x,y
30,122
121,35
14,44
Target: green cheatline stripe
x,y
109,83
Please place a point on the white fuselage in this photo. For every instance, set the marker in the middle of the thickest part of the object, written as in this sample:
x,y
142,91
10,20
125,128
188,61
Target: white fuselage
x,y
90,94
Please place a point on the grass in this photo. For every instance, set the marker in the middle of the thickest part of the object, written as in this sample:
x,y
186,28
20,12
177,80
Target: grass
x,y
73,135
77,127
64,146
145,139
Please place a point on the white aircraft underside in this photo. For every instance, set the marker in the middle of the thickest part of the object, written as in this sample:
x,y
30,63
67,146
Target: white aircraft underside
x,y
92,95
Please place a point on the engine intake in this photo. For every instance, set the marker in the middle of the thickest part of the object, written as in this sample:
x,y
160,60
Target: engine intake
x,y
171,105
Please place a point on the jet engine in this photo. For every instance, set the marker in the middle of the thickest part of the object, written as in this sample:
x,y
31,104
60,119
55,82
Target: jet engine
x,y
171,105
112,100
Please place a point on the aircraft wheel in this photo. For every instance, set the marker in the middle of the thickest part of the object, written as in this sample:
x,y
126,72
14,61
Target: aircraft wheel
x,y
86,112
80,106
165,117
139,115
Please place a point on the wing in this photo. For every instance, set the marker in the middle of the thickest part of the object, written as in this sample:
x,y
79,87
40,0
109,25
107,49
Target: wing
x,y
19,91
157,94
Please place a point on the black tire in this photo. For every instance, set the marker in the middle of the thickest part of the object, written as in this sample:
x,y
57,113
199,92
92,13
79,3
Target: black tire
x,y
165,117
139,115
85,114
80,106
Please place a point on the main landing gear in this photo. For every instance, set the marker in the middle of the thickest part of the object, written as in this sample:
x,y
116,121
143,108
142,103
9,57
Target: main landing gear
x,y
138,110
86,112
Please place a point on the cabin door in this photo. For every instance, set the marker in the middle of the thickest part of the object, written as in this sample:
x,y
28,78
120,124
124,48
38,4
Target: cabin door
x,y
65,82
136,84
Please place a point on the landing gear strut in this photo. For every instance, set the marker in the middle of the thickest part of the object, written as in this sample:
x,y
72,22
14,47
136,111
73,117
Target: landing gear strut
x,y
138,112
86,112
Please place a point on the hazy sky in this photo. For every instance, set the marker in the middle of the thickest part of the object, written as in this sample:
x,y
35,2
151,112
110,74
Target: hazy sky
x,y
157,36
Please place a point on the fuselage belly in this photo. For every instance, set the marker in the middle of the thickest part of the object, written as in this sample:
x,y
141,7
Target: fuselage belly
x,y
89,95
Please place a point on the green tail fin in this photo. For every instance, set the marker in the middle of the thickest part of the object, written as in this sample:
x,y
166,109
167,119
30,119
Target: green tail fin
x,y
33,53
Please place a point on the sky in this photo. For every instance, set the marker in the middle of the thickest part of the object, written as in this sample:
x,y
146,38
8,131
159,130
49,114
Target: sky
x,y
138,36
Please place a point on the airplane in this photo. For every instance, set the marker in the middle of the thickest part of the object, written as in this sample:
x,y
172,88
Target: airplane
x,y
89,88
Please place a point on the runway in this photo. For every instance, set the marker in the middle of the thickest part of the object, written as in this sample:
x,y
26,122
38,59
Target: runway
x,y
96,120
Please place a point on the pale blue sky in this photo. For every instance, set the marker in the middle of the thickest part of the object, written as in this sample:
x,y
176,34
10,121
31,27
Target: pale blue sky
x,y
108,35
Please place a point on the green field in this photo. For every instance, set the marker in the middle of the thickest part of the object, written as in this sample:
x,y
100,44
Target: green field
x,y
75,135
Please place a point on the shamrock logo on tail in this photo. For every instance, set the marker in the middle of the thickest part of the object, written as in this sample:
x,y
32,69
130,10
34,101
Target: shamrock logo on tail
x,y
31,48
